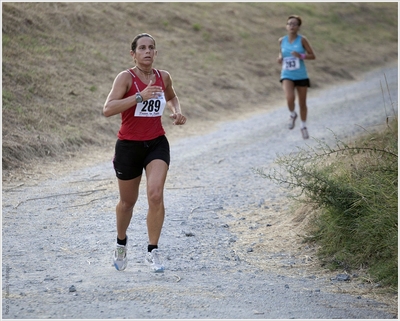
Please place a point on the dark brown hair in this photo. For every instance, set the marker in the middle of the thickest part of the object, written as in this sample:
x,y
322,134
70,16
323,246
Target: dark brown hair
x,y
295,17
141,35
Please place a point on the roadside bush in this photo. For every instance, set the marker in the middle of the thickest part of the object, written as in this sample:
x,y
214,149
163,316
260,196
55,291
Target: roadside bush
x,y
354,189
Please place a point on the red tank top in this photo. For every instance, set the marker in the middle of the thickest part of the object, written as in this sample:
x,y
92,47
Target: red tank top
x,y
140,128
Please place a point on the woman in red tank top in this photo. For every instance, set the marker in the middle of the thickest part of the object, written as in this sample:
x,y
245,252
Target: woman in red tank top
x,y
140,95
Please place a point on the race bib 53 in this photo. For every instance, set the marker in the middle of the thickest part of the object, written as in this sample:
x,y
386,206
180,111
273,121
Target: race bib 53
x,y
291,63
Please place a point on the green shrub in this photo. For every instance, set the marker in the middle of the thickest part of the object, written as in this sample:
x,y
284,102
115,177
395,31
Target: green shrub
x,y
354,189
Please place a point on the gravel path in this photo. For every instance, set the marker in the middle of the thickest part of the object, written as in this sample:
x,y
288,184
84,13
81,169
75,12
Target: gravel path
x,y
58,234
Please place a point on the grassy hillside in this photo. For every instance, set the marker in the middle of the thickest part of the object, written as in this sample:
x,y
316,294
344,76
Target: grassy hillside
x,y
59,61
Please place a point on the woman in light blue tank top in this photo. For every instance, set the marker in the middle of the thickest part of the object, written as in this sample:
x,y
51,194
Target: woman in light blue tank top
x,y
294,49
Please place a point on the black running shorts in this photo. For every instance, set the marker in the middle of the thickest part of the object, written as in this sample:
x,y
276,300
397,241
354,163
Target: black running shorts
x,y
299,83
131,157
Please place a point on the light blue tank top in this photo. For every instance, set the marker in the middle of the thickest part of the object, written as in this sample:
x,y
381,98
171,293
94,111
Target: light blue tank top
x,y
292,68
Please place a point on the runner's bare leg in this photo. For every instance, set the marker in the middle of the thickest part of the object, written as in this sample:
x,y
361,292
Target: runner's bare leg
x,y
156,174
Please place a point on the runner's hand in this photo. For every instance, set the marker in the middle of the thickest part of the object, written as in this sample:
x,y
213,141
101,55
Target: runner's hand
x,y
151,91
179,119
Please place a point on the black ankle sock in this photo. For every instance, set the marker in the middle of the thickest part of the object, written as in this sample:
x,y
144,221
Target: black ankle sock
x,y
151,247
121,242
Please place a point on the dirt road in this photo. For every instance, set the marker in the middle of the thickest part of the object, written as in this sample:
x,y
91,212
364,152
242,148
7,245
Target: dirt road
x,y
229,242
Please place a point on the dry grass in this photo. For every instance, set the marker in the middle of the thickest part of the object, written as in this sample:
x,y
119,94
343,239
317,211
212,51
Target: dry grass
x,y
59,61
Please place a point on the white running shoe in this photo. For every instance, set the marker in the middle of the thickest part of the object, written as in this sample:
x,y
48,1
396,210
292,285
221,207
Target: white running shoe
x,y
292,120
304,132
154,262
120,258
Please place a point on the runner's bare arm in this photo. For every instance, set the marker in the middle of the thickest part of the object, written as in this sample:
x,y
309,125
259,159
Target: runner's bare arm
x,y
115,104
310,52
172,100
279,59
